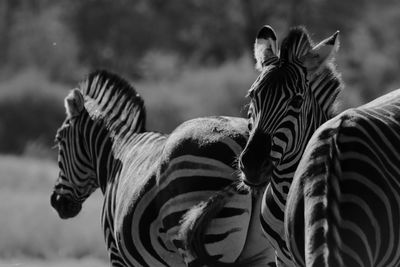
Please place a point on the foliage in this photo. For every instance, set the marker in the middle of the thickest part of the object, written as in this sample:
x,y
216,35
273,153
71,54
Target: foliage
x,y
31,110
118,34
31,107
197,92
187,58
37,38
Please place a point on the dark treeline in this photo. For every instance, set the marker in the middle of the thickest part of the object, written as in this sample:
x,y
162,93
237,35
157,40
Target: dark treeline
x,y
118,34
47,46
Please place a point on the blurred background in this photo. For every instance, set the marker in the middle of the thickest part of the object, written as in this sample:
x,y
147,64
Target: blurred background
x,y
187,59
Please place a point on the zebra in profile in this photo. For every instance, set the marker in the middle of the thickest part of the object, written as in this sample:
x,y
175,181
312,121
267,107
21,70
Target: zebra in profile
x,y
294,94
152,182
343,207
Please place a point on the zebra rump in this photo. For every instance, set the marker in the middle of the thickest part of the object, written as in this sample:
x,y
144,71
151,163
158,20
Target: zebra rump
x,y
195,228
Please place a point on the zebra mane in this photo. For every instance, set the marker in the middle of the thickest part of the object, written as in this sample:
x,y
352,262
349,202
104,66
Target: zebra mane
x,y
112,99
327,83
326,86
296,44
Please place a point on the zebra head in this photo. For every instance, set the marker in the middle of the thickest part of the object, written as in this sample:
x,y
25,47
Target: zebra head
x,y
77,179
102,116
282,100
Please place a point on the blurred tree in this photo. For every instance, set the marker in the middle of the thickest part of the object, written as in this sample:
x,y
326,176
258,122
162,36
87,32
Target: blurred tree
x,y
183,51
112,34
255,14
118,34
330,16
375,51
37,38
7,9
31,110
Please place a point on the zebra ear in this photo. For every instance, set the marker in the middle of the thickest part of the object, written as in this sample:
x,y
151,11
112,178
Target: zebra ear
x,y
74,103
265,47
320,54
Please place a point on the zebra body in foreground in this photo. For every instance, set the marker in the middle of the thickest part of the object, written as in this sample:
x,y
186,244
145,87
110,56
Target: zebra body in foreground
x,y
151,181
343,207
294,94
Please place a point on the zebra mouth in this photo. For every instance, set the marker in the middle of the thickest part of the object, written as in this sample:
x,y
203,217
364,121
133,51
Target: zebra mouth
x,y
65,207
257,179
255,189
259,185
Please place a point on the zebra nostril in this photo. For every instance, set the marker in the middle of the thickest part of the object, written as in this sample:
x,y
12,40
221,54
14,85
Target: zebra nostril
x,y
65,207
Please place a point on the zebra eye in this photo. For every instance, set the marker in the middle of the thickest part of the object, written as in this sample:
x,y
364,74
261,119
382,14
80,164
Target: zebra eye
x,y
250,126
250,119
296,101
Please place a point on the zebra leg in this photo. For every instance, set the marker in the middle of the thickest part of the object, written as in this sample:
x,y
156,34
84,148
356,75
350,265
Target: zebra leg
x,y
113,253
294,223
115,258
257,246
280,262
214,232
273,228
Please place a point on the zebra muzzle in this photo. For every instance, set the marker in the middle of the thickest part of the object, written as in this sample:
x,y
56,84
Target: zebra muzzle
x,y
65,207
256,177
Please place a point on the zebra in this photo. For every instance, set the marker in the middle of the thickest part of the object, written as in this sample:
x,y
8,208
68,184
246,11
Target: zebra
x,y
151,181
343,207
295,93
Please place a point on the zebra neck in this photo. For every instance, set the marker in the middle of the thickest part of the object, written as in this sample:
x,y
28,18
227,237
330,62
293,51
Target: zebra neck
x,y
325,87
283,174
106,148
135,154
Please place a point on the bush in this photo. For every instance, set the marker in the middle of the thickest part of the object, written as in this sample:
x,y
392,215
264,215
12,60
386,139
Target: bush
x,y
31,106
31,110
197,92
40,39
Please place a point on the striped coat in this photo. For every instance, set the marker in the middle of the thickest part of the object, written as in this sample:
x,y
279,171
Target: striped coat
x,y
343,207
151,181
294,95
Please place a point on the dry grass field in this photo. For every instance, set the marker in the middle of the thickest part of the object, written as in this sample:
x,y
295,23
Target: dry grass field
x,y
31,233
87,262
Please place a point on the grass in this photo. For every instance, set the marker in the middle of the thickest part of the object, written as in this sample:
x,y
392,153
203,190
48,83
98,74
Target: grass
x,y
31,229
27,174
89,262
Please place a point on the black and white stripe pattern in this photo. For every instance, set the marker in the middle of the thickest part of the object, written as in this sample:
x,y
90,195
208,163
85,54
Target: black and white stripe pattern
x,y
346,192
292,97
150,180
